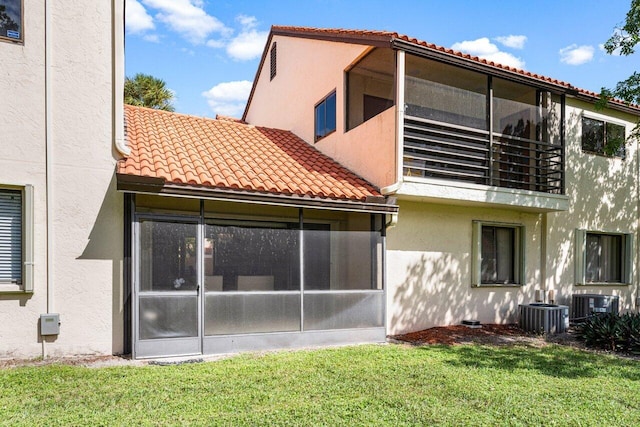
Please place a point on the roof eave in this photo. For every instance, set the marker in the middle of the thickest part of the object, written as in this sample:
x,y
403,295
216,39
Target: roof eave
x,y
158,186
613,105
377,41
471,64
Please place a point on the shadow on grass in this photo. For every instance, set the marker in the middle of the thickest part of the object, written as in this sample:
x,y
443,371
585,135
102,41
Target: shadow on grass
x,y
555,361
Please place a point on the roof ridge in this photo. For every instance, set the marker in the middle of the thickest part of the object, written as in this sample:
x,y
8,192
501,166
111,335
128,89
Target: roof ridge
x,y
392,35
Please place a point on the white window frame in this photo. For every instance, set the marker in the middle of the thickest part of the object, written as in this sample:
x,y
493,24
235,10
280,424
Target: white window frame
x,y
518,256
27,241
581,258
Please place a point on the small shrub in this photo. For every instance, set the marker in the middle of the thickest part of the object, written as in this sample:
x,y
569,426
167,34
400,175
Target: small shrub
x,y
612,332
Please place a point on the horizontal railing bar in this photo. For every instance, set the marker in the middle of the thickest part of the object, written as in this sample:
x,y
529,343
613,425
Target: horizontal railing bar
x,y
416,129
447,172
464,165
439,153
454,144
443,124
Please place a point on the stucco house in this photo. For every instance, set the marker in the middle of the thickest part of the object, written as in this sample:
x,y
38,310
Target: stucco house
x,y
505,195
376,184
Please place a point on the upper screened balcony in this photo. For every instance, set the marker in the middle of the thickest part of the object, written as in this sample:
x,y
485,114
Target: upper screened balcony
x,y
472,128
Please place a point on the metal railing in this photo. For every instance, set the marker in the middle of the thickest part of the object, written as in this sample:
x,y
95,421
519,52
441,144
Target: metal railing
x,y
440,150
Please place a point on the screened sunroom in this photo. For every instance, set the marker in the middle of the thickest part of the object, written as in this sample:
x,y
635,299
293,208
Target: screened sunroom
x,y
216,277
271,245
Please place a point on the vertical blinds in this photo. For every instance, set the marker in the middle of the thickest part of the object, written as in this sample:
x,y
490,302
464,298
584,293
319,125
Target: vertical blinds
x,y
10,236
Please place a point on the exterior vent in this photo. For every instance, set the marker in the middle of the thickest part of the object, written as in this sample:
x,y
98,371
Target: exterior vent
x,y
273,61
584,305
544,318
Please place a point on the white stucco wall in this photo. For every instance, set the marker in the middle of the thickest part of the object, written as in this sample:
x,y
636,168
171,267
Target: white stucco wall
x,y
603,196
87,224
307,71
429,268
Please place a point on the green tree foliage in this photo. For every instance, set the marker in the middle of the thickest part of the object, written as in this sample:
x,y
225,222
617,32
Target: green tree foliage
x,y
624,41
144,90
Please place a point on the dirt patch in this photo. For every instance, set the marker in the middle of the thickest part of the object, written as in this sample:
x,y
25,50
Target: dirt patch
x,y
90,361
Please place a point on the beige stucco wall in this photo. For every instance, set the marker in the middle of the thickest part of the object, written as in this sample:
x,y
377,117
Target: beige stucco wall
x,y
307,71
428,258
86,283
429,268
603,196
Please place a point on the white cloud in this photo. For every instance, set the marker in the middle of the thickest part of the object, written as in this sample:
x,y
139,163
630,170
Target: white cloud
x,y
137,20
187,18
228,98
483,48
153,38
512,41
216,43
576,55
249,43
247,21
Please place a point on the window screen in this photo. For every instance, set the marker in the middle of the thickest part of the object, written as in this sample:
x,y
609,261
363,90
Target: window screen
x,y
11,236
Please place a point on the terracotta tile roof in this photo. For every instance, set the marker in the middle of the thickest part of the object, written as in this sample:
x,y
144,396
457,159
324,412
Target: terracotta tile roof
x,y
366,36
226,154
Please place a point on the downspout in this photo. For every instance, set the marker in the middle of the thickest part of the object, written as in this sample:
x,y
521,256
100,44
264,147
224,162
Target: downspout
x,y
48,128
391,189
637,243
118,77
549,296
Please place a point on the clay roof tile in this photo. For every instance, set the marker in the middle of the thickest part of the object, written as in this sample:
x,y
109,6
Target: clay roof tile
x,y
230,154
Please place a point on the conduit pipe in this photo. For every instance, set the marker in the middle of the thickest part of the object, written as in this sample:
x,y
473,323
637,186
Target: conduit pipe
x,y
117,40
48,130
637,234
393,188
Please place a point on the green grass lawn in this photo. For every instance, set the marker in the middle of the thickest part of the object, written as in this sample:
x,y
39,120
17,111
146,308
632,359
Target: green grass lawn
x,y
362,385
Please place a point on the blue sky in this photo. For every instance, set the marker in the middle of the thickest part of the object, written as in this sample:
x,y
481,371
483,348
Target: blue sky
x,y
207,51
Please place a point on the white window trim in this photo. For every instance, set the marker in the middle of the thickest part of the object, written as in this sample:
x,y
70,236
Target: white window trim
x,y
27,241
581,258
476,254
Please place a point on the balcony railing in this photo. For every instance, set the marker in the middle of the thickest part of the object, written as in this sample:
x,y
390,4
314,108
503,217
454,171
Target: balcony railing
x,y
440,150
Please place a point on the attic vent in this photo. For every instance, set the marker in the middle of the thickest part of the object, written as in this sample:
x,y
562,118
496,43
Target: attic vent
x,y
273,60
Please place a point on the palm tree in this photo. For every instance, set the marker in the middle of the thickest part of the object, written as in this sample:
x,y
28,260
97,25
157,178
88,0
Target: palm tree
x,y
145,90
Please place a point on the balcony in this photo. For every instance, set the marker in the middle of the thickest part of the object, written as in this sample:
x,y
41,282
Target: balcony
x,y
444,151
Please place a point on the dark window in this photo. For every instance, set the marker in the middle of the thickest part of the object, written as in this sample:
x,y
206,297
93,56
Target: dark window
x,y
374,105
168,252
498,255
251,257
604,258
325,113
11,20
604,138
370,86
273,60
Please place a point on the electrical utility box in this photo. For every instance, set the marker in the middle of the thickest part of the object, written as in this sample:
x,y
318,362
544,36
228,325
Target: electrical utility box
x,y
50,324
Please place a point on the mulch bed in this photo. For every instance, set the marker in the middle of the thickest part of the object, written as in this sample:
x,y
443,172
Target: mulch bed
x,y
459,334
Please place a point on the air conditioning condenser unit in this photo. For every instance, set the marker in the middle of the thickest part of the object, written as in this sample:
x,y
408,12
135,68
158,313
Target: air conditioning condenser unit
x,y
544,318
585,305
